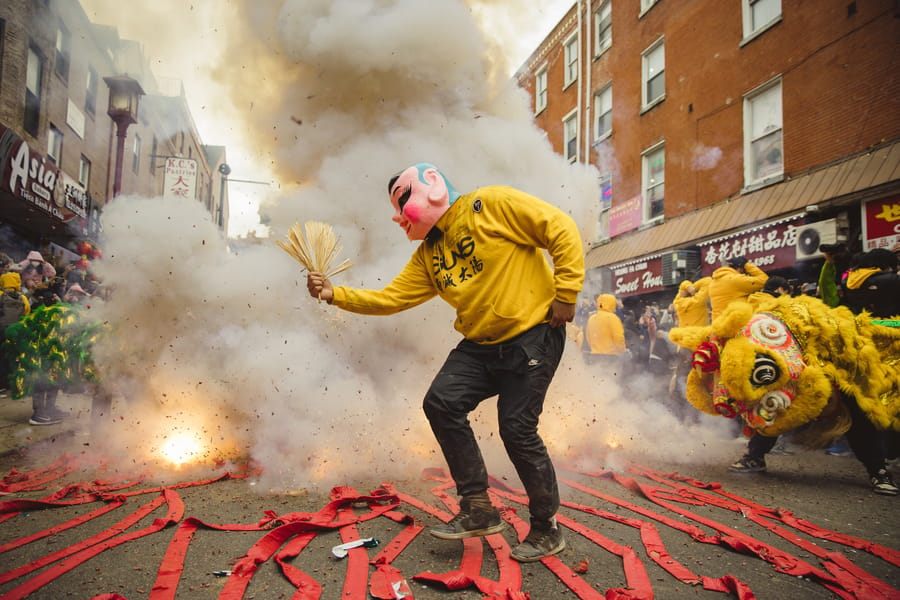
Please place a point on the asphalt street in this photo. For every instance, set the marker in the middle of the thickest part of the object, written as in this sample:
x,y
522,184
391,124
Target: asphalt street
x,y
809,528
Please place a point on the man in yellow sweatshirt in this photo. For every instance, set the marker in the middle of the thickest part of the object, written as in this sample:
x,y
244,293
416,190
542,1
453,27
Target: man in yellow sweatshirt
x,y
482,253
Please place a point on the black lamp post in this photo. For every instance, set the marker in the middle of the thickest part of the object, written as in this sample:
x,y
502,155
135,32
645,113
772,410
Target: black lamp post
x,y
225,171
124,94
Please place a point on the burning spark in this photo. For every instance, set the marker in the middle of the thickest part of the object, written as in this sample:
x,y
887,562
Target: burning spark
x,y
181,448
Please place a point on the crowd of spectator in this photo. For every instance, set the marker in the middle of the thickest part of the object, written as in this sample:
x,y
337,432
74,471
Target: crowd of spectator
x,y
34,290
633,345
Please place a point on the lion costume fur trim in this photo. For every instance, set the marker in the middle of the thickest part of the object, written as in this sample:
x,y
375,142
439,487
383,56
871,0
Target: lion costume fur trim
x,y
839,348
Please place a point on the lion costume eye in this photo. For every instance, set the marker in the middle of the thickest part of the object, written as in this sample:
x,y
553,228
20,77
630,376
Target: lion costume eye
x,y
765,370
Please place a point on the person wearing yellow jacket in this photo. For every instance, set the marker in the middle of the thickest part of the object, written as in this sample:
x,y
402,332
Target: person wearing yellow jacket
x,y
605,332
483,253
692,303
736,280
13,306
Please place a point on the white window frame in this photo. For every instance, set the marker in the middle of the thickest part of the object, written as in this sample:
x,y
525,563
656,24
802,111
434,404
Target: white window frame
x,y
570,135
54,144
763,135
540,89
603,39
62,52
34,88
646,5
652,182
759,15
84,172
603,105
570,53
650,58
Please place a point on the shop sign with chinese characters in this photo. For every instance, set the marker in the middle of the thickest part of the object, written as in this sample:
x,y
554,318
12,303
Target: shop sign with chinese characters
x,y
881,223
769,246
181,178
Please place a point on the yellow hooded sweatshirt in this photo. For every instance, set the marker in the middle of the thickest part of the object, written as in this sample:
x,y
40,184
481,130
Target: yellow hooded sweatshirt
x,y
488,264
729,285
12,282
604,330
693,311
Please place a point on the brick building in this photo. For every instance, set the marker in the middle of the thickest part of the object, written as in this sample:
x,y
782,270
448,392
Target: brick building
x,y
58,144
756,127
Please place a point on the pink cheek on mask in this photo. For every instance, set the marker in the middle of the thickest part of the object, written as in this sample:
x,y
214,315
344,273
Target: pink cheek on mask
x,y
412,213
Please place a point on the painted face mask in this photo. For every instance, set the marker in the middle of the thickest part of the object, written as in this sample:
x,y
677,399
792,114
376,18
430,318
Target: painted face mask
x,y
420,195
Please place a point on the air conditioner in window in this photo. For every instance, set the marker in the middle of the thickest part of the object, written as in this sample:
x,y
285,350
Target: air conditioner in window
x,y
679,265
812,235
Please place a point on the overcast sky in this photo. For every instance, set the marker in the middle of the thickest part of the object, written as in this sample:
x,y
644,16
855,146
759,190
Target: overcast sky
x,y
184,40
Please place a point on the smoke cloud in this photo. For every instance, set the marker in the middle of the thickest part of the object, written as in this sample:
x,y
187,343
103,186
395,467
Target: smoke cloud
x,y
341,95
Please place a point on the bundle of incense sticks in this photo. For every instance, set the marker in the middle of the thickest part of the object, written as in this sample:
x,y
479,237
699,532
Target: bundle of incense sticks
x,y
317,249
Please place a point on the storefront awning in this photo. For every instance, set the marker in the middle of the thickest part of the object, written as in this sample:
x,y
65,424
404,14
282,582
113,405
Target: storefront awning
x,y
862,177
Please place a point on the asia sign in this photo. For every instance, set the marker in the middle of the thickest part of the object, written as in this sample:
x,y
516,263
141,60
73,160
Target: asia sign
x,y
637,277
181,178
881,223
769,246
34,179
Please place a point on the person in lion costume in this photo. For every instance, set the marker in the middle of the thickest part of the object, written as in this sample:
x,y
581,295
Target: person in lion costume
x,y
794,363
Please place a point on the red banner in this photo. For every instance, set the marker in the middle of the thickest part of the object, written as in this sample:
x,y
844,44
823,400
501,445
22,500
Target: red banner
x,y
637,277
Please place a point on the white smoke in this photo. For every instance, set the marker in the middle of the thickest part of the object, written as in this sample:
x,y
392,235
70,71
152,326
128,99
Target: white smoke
x,y
344,94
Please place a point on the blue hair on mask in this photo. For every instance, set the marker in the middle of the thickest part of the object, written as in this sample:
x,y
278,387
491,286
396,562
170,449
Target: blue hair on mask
x,y
424,166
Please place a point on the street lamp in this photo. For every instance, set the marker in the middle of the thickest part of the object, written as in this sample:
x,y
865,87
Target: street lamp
x,y
225,171
124,93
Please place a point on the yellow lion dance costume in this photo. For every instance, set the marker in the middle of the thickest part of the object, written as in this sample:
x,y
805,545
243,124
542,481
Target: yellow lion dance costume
x,y
779,364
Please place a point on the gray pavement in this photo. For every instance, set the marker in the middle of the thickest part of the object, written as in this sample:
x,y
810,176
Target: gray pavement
x,y
16,433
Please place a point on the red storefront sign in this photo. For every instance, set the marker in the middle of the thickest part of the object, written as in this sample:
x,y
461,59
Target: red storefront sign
x,y
625,216
881,223
637,277
769,246
32,178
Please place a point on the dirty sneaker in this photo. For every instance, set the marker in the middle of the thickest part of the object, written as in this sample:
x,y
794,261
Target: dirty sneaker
x,y
882,483
43,420
472,521
748,464
545,539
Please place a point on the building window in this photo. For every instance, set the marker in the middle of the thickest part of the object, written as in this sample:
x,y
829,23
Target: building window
x,y
34,71
54,144
763,142
759,15
603,113
136,154
540,90
653,65
605,184
84,172
90,91
653,172
63,52
571,58
570,136
603,26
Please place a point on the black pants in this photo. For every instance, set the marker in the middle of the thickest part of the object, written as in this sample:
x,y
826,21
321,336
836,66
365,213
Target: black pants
x,y
518,372
869,444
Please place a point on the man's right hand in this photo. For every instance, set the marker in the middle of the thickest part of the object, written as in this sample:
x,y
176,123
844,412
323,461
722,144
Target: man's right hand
x,y
319,287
